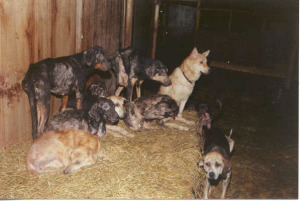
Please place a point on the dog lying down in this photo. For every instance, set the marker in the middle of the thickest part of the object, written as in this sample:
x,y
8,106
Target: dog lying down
x,y
156,109
65,150
216,159
92,120
120,108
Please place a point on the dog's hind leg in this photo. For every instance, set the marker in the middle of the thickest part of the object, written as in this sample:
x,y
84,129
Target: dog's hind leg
x,y
43,109
225,185
33,108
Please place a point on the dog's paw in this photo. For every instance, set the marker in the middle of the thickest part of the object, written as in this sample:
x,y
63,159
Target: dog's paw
x,y
104,157
183,120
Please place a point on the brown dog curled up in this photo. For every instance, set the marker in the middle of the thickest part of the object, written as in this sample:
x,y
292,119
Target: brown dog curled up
x,y
62,151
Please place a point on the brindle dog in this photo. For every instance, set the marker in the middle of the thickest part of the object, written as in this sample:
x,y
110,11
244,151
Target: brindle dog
x,y
92,119
61,76
140,68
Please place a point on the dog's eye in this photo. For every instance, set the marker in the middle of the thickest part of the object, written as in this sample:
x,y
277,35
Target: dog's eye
x,y
201,62
218,164
117,104
207,164
105,106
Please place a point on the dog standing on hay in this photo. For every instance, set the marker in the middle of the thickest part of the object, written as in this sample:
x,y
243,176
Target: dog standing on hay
x,y
183,80
61,76
216,159
65,150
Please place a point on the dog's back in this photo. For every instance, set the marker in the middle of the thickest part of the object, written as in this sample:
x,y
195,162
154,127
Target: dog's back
x,y
215,137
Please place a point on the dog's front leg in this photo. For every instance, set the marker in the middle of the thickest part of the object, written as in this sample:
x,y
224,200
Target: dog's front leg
x,y
119,90
113,128
79,99
64,102
179,116
225,185
130,88
206,189
138,88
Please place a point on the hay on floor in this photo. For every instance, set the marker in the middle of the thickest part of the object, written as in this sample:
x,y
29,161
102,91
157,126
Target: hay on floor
x,y
155,164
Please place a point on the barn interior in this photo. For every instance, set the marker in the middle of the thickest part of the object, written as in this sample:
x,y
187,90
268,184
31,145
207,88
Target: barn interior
x,y
254,57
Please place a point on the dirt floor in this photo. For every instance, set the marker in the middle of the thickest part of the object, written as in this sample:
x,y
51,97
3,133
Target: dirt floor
x,y
265,130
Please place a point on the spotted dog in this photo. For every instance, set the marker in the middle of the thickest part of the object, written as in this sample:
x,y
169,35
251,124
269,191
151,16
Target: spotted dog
x,y
91,119
146,111
61,76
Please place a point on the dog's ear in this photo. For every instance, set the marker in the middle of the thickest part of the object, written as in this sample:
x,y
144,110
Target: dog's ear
x,y
206,53
201,162
150,70
226,168
88,56
94,113
194,53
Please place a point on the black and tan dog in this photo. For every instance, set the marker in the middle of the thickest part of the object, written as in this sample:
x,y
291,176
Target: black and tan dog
x,y
91,119
94,91
61,76
139,69
114,78
146,111
216,159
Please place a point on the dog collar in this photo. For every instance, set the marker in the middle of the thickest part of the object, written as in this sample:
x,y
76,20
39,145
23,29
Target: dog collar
x,y
186,77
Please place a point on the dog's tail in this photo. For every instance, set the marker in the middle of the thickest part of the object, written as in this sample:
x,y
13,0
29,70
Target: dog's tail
x,y
230,133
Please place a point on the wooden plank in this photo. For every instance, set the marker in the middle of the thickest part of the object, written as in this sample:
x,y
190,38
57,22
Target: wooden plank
x,y
123,24
129,21
78,26
247,69
155,27
198,16
2,60
32,30
17,48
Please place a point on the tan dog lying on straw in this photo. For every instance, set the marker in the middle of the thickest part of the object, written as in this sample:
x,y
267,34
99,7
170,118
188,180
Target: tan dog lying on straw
x,y
65,150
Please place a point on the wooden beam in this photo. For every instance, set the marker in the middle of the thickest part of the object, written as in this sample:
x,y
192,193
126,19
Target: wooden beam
x,y
123,24
155,26
129,21
292,57
79,36
197,19
247,69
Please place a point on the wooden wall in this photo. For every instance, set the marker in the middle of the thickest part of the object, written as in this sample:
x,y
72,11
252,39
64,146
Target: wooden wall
x,y
32,30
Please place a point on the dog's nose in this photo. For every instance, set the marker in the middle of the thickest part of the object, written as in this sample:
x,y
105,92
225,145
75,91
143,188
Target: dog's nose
x,y
211,175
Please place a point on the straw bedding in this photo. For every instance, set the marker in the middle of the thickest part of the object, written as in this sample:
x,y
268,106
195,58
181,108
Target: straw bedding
x,y
155,164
